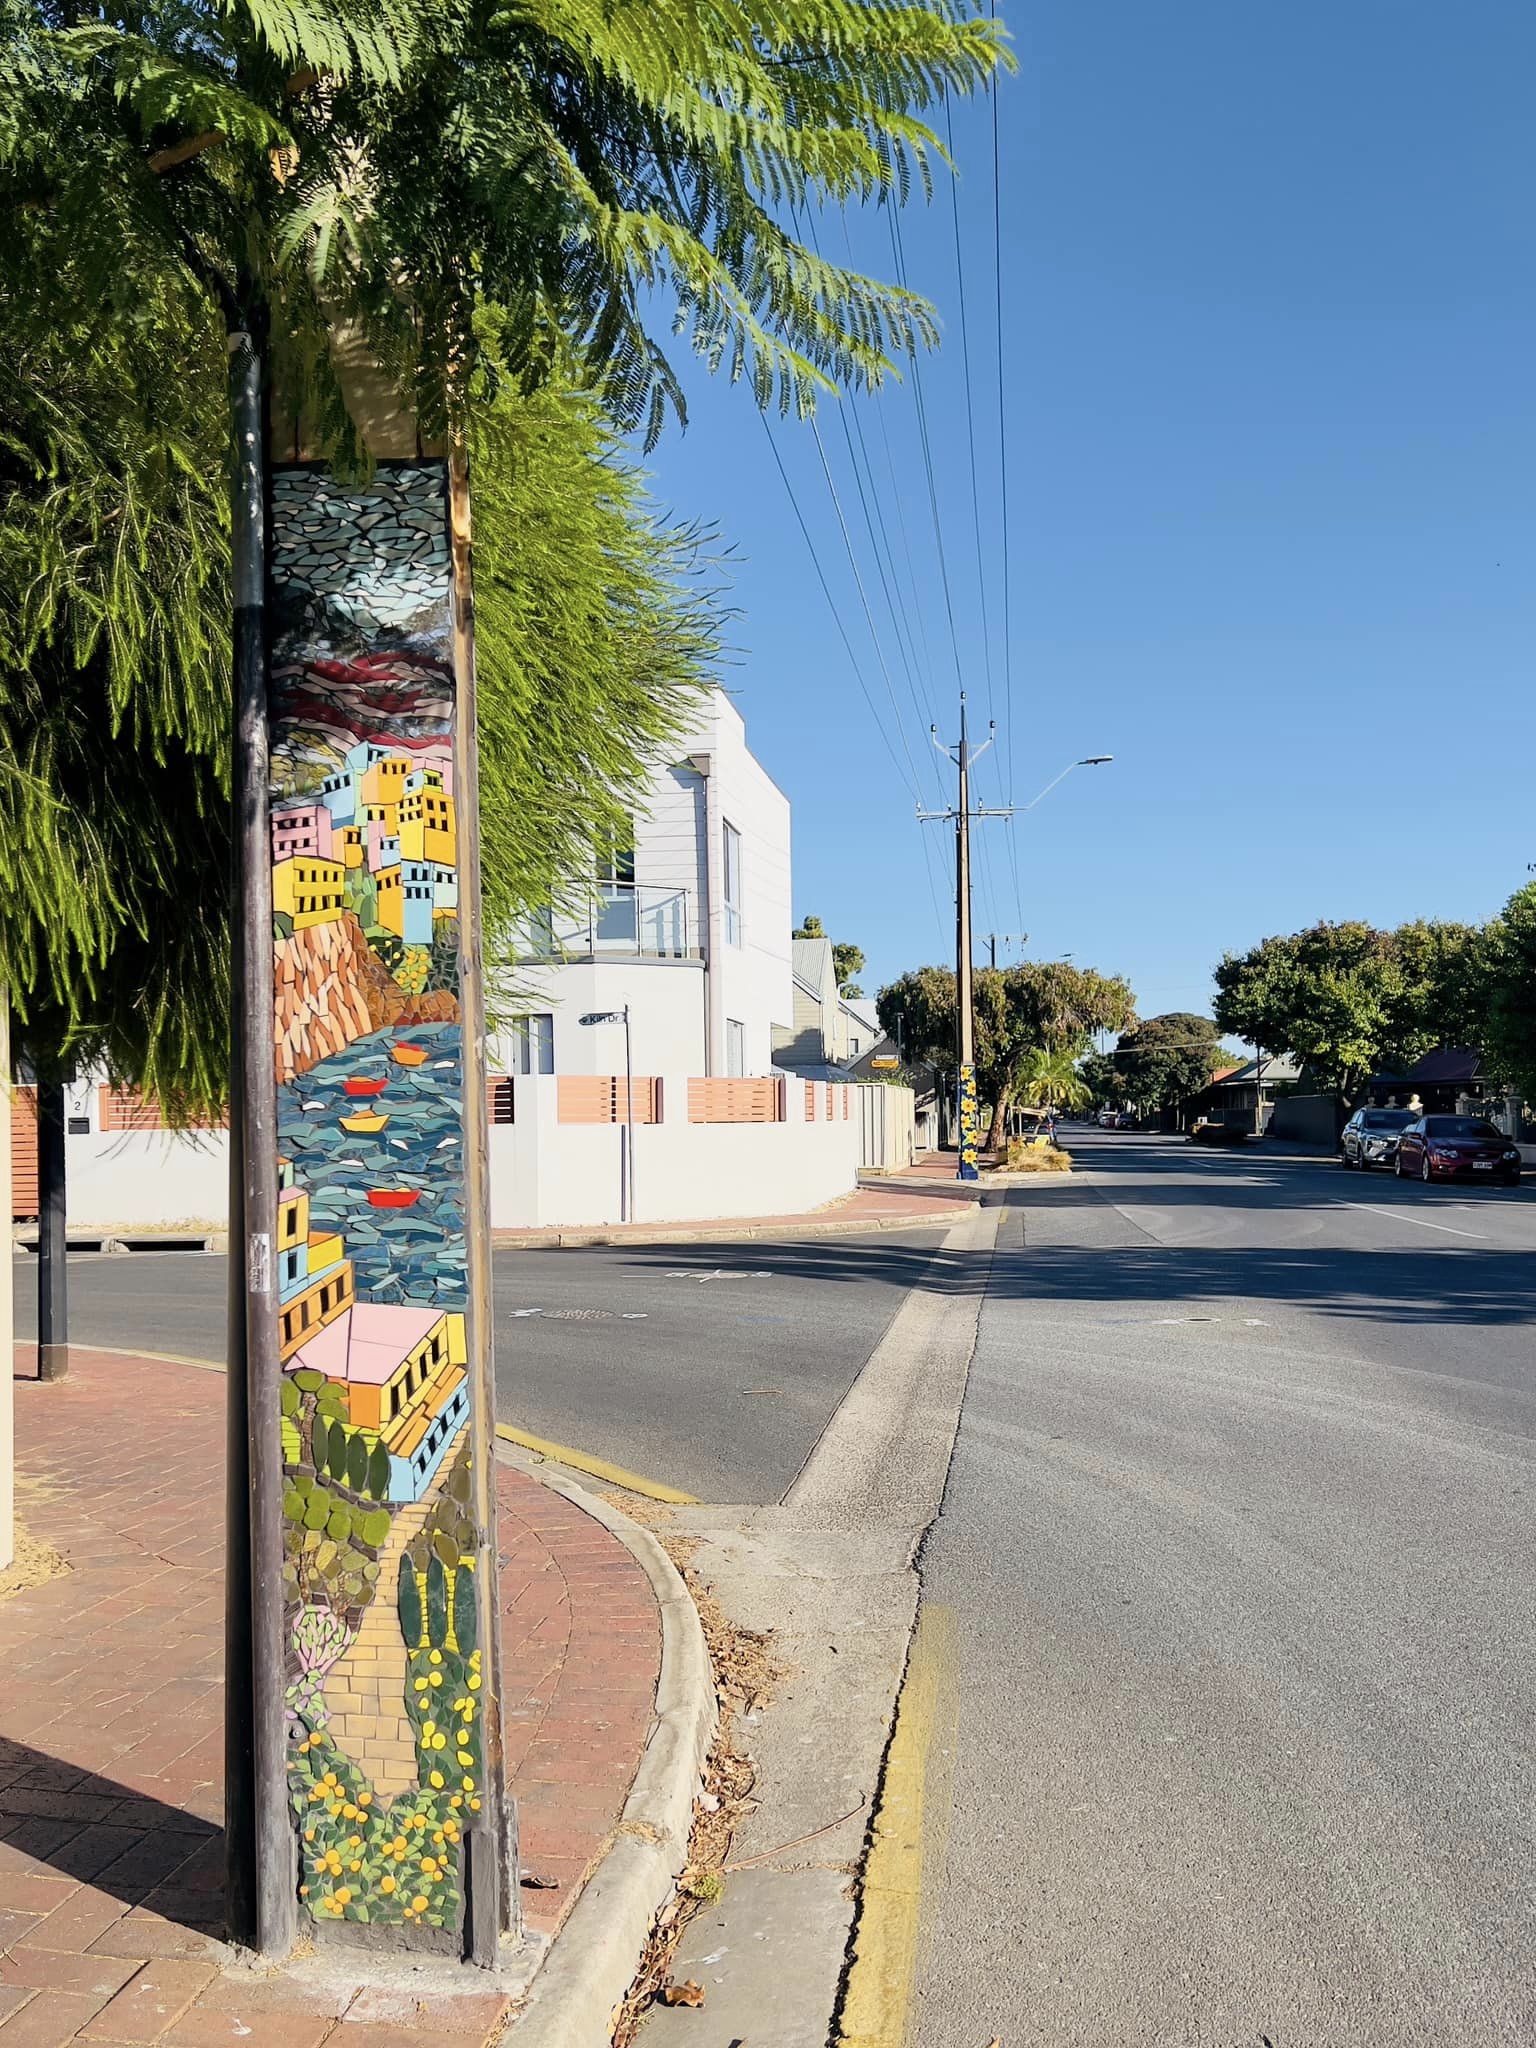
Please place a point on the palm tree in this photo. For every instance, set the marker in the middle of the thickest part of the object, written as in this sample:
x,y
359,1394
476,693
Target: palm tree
x,y
1047,1077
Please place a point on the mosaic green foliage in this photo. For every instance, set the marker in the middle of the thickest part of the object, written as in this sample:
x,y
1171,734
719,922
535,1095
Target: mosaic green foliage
x,y
364,1861
439,1622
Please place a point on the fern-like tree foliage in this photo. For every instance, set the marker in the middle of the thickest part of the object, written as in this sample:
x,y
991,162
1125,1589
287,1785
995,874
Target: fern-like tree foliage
x,y
495,203
388,166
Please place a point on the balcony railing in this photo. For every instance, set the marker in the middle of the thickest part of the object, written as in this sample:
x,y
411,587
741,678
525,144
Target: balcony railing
x,y
620,920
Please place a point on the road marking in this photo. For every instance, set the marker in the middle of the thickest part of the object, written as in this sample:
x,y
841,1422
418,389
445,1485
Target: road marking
x,y
885,1939
1422,1221
719,1273
599,1468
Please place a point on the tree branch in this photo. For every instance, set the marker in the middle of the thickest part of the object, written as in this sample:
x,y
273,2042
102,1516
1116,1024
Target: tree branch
x,y
183,152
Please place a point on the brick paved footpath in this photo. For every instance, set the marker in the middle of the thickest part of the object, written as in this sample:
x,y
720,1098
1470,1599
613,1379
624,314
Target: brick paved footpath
x,y
111,1744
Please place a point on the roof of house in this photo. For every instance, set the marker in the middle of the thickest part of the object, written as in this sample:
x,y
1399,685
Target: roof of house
x,y
810,962
1446,1064
862,1010
1277,1067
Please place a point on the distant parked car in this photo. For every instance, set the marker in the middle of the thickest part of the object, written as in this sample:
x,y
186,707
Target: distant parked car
x,y
1370,1137
1109,1119
1445,1147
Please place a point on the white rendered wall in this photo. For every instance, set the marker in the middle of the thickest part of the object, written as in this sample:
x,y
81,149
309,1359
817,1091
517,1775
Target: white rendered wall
x,y
147,1179
752,982
545,1172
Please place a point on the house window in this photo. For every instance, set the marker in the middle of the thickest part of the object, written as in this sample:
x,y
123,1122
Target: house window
x,y
853,1044
735,1047
732,890
533,1043
616,858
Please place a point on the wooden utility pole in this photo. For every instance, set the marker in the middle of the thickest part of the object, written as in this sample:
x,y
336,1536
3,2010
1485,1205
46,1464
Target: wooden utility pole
x,y
965,1031
261,1863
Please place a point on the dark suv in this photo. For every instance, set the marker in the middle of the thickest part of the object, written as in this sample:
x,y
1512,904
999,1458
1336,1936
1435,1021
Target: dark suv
x,y
1370,1137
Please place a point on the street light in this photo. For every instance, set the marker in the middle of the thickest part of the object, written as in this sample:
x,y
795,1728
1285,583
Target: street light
x,y
1088,761
627,1178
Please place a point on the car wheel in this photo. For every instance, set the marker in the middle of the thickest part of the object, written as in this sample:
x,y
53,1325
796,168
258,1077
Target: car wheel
x,y
1397,1166
1511,1180
1425,1173
1344,1159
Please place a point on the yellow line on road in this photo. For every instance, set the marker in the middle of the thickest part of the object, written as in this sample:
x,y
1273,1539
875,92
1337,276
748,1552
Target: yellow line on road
x,y
907,1832
616,1475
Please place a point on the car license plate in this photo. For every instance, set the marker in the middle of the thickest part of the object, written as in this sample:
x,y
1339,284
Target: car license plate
x,y
1482,1166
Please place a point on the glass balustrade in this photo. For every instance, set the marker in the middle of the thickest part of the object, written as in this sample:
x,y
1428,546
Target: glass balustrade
x,y
621,919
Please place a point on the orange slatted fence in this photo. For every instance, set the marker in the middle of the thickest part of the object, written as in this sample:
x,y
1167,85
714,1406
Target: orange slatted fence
x,y
827,1085
23,1154
124,1109
810,1102
846,1096
498,1099
599,1099
726,1100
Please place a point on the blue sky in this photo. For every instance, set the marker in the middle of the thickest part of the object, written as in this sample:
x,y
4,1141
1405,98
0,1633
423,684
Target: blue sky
x,y
1269,345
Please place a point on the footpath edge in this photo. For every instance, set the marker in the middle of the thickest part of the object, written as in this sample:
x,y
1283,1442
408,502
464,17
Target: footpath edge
x,y
727,1232
575,1998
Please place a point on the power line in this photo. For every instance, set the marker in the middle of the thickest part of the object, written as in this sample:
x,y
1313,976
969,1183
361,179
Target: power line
x,y
853,663
898,254
1002,458
970,415
869,617
837,617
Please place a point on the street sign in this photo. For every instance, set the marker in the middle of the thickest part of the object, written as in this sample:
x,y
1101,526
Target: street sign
x,y
885,1063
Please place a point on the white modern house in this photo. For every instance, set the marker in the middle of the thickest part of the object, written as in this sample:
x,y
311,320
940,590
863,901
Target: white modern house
x,y
686,927
688,924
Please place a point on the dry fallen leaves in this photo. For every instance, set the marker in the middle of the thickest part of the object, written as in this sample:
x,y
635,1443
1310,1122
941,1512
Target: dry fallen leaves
x,y
686,1993
532,1882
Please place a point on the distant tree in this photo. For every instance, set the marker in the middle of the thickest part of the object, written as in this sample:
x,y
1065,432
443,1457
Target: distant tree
x,y
1443,997
1164,1059
847,959
1506,981
1102,1080
1348,1000
1048,1077
1037,1005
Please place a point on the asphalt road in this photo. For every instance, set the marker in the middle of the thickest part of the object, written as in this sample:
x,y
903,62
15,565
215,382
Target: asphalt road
x,y
713,1368
1238,1543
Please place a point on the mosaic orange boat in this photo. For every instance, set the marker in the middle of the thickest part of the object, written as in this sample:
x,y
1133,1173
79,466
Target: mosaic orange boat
x,y
410,1055
359,1086
364,1120
394,1198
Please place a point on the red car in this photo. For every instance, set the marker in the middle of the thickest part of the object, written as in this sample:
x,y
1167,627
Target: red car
x,y
1443,1147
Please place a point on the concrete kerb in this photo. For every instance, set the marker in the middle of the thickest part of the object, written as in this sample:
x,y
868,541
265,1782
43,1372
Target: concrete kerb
x,y
575,1999
727,1232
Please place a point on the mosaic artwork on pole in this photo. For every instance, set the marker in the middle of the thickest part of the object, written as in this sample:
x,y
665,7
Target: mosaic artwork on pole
x,y
387,1668
970,1124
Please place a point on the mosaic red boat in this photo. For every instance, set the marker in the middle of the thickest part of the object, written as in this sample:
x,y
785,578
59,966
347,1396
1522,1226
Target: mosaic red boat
x,y
359,1086
394,1198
